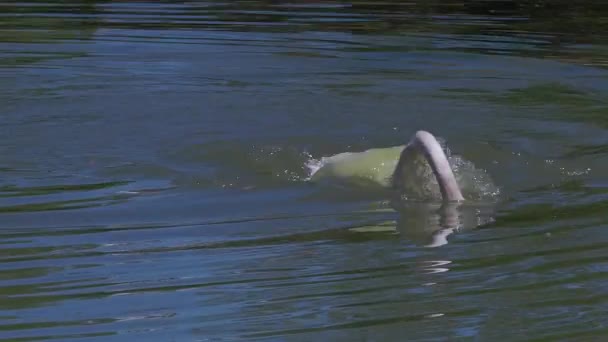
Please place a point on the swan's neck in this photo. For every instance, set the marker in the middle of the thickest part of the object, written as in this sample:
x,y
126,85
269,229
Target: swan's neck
x,y
425,143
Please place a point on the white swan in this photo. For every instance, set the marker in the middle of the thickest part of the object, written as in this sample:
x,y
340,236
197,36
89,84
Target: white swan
x,y
388,171
420,169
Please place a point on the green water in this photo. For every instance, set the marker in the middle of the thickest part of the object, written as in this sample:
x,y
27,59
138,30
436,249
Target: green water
x,y
154,159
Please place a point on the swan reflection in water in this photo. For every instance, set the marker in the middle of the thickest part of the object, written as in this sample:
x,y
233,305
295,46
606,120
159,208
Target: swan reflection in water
x,y
430,224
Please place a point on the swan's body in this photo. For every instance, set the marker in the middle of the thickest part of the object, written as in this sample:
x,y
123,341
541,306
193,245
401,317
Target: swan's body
x,y
373,167
389,166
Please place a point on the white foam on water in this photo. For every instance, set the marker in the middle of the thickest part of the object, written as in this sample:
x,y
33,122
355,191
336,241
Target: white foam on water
x,y
313,165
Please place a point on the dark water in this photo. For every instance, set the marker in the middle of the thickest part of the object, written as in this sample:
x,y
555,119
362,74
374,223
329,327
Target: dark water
x,y
153,171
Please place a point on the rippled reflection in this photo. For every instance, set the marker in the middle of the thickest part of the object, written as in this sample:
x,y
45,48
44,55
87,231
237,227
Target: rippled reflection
x,y
431,224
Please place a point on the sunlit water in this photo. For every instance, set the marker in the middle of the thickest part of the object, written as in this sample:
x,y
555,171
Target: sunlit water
x,y
155,157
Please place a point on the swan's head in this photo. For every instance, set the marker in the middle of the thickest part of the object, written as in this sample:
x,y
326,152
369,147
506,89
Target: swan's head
x,y
426,145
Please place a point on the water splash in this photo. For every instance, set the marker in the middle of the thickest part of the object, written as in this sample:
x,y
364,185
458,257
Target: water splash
x,y
314,165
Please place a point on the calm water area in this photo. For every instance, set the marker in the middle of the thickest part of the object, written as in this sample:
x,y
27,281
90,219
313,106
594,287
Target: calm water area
x,y
155,160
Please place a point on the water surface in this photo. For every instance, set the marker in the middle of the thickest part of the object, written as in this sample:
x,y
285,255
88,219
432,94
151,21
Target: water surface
x,y
153,171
